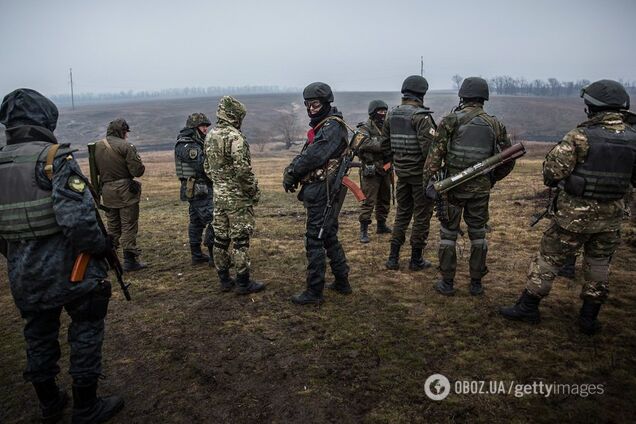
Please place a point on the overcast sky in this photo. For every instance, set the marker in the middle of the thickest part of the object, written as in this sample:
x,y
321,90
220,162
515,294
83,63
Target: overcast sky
x,y
368,45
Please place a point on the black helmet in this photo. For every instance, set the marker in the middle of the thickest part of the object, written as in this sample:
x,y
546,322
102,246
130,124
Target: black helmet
x,y
474,88
318,90
375,105
605,94
25,106
197,119
415,84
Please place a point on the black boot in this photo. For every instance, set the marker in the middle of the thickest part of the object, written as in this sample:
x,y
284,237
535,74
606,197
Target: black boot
x,y
568,268
475,287
588,324
526,309
394,257
383,228
131,263
246,286
445,287
307,298
197,255
341,285
226,282
89,409
53,400
418,263
364,232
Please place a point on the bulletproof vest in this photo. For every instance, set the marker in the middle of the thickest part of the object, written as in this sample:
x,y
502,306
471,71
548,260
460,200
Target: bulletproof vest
x,y
607,171
403,135
184,169
26,210
473,140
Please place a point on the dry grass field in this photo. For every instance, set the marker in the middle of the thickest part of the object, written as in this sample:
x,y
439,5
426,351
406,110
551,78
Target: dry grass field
x,y
183,352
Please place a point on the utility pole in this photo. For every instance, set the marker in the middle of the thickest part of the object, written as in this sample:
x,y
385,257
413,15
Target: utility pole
x,y
421,66
72,97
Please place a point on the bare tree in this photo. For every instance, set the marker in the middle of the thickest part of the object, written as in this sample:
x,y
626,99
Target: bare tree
x,y
287,125
457,80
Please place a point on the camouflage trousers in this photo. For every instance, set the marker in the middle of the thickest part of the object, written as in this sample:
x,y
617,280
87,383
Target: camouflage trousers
x,y
475,212
85,337
411,203
123,225
377,189
233,227
557,245
201,214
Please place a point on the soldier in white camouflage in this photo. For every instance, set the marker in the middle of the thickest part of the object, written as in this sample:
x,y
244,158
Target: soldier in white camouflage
x,y
593,167
228,165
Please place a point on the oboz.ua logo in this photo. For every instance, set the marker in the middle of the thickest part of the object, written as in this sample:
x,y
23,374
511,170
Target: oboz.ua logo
x,y
437,387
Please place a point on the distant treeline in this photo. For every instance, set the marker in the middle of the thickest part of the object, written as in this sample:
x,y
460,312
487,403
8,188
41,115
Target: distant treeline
x,y
84,98
551,87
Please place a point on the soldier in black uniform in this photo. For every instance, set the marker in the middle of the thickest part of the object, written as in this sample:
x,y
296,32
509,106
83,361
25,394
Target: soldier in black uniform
x,y
314,168
375,181
196,187
407,134
48,217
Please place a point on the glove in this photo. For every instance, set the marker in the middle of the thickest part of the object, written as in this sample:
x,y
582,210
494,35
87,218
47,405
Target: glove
x,y
430,191
290,182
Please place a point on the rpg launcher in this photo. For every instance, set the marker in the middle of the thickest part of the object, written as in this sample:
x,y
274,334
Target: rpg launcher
x,y
480,168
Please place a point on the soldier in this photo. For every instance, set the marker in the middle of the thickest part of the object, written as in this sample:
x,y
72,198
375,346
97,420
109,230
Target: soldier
x,y
406,135
228,164
374,179
593,167
48,217
196,187
466,136
118,163
314,168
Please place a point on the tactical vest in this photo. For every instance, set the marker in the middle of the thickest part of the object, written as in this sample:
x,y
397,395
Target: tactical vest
x,y
403,135
26,210
473,140
184,169
607,171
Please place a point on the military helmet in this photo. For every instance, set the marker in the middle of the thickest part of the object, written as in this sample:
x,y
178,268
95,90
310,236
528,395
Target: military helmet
x,y
375,105
606,94
415,84
197,119
474,87
318,90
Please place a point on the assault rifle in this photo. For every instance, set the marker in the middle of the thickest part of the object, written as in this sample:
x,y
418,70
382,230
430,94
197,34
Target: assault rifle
x,y
94,173
549,209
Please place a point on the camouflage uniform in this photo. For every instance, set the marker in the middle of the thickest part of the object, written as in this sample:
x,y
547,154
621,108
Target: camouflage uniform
x,y
228,164
46,221
471,198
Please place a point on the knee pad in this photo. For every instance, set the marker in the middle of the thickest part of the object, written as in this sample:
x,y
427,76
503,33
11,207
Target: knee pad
x,y
477,233
598,268
447,235
221,243
93,306
241,243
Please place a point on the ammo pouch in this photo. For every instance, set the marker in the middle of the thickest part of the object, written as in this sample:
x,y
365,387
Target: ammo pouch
x,y
574,185
368,170
93,306
321,174
189,192
201,190
134,187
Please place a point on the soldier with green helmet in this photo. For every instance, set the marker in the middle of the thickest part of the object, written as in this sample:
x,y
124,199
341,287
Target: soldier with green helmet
x,y
228,165
375,180
196,187
407,134
592,167
465,137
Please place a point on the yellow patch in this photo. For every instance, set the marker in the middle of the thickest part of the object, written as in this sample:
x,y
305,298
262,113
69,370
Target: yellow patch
x,y
75,183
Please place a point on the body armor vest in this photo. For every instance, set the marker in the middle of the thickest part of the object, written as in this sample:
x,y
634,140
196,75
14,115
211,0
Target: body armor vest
x,y
607,171
403,135
473,141
26,210
185,169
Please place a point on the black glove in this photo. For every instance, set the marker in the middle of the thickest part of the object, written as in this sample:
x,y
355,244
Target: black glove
x,y
290,182
430,191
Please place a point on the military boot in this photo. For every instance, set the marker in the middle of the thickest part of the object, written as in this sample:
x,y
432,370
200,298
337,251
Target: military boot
x,y
445,287
307,298
341,285
246,286
90,409
526,309
588,324
364,232
198,257
475,287
418,263
383,228
394,257
131,263
226,282
53,400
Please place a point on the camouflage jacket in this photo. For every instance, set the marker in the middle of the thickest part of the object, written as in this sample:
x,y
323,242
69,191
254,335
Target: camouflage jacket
x,y
39,269
370,148
439,149
574,213
227,159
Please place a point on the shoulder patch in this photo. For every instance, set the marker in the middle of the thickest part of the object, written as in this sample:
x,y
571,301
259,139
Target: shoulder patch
x,y
432,132
76,184
193,153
